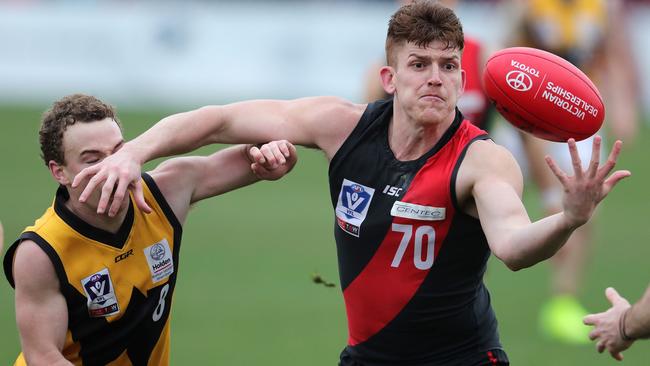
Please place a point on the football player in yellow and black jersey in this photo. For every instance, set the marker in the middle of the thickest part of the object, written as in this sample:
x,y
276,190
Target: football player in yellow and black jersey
x,y
94,289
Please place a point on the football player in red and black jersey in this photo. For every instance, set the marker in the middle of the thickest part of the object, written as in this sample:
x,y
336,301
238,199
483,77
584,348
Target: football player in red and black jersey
x,y
421,196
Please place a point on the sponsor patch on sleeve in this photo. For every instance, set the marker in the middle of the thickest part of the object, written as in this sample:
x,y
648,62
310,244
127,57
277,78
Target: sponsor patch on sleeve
x,y
417,212
159,258
352,206
100,294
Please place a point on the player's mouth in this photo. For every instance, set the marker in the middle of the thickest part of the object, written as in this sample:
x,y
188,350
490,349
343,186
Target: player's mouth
x,y
432,98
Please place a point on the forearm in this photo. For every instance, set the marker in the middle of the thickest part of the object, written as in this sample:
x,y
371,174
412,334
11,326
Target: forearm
x,y
532,243
177,134
637,319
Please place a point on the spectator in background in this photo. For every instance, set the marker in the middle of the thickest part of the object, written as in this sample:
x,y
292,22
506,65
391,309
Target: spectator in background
x,y
617,328
591,35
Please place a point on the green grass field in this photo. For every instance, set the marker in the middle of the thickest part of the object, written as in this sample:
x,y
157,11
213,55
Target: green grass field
x,y
244,296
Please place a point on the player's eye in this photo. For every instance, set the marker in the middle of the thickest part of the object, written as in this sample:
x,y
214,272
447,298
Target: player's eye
x,y
450,67
418,65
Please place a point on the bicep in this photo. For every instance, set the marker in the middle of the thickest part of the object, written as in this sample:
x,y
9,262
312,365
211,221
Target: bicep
x,y
321,122
496,190
41,309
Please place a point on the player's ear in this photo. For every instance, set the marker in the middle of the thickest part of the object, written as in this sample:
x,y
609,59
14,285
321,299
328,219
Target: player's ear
x,y
387,74
57,172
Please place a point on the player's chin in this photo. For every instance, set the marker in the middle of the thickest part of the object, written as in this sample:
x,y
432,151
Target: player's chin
x,y
435,114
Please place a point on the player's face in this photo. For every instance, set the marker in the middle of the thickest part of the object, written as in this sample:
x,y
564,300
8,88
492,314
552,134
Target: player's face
x,y
427,81
86,144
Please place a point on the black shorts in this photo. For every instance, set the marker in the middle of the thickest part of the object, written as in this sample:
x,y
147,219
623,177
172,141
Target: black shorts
x,y
493,357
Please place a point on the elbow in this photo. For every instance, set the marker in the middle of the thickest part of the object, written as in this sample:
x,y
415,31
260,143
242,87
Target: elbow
x,y
514,266
211,118
512,261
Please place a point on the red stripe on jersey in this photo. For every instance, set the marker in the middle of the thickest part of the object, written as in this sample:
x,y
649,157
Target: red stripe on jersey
x,y
378,294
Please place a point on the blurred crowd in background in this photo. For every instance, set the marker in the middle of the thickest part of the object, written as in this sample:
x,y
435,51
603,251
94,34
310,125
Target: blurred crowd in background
x,y
186,53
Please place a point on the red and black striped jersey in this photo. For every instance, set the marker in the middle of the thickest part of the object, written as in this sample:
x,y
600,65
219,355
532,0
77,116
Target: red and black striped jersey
x,y
411,263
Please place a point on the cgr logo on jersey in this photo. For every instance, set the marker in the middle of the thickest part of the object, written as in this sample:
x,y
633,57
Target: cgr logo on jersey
x,y
100,294
159,258
352,206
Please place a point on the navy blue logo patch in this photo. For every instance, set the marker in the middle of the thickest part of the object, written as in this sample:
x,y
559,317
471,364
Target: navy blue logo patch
x,y
352,206
100,294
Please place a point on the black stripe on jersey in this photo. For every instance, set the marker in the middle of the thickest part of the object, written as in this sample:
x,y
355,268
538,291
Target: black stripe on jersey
x,y
8,263
162,202
454,173
380,110
111,337
116,240
171,217
47,248
102,341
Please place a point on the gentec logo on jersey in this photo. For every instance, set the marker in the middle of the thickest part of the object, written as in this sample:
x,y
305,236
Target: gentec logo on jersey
x,y
352,206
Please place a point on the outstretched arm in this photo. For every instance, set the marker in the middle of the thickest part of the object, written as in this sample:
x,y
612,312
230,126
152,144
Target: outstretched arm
x,y
496,188
186,180
618,327
41,310
322,122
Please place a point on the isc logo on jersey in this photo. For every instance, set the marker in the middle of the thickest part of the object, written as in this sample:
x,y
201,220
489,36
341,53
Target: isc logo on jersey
x,y
352,206
100,294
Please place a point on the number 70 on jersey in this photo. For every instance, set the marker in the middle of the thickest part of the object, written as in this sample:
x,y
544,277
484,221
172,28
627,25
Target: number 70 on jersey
x,y
423,245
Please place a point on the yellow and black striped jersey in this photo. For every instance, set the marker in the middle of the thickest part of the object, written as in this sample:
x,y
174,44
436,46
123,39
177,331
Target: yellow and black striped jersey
x,y
572,29
118,287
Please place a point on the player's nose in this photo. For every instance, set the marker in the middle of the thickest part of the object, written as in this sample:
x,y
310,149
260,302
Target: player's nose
x,y
434,76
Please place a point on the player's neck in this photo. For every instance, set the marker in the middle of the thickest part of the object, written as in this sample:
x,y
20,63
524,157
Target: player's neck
x,y
88,214
409,139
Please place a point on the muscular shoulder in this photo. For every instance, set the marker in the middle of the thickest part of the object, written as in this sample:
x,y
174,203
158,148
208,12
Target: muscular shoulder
x,y
33,269
487,163
175,178
331,120
330,106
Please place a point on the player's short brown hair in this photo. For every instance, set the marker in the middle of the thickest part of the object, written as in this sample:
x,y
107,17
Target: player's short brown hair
x,y
66,112
422,22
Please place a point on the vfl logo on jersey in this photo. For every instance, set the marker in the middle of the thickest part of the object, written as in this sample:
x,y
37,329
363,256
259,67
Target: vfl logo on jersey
x,y
159,258
352,206
417,212
100,294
